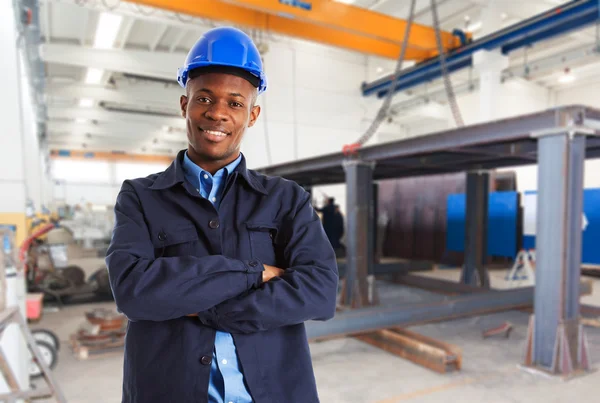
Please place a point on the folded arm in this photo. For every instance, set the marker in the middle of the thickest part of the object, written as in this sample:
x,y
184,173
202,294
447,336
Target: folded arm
x,y
158,289
305,291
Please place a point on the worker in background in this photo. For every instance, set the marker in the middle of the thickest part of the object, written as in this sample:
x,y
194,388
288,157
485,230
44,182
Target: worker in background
x,y
216,266
338,232
331,224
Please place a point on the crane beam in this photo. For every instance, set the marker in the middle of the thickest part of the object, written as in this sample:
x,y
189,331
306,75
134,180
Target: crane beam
x,y
322,21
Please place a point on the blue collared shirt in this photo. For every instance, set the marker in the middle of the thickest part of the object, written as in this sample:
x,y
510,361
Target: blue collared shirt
x,y
226,378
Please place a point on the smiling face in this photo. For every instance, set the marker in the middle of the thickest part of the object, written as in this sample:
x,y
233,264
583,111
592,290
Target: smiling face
x,y
218,108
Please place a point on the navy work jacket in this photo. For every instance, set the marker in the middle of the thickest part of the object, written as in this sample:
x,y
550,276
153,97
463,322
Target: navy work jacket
x,y
172,254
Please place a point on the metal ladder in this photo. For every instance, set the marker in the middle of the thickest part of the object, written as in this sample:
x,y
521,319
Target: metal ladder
x,y
7,317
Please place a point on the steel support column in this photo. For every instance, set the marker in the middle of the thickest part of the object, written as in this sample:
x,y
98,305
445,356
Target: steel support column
x,y
373,214
358,289
474,271
556,341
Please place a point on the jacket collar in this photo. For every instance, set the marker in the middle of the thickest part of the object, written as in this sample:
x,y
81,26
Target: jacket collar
x,y
175,174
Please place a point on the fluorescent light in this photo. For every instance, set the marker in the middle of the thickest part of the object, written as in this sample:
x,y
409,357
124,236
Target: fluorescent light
x,y
475,27
107,30
86,103
106,34
566,78
80,120
94,76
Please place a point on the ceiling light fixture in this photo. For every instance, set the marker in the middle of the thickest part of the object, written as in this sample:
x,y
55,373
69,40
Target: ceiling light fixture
x,y
474,27
86,102
94,76
567,77
107,30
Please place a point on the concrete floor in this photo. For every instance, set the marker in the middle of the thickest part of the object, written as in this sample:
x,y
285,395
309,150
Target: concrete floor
x,y
349,371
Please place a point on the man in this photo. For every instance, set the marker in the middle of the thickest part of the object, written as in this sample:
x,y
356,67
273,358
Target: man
x,y
338,232
217,267
328,220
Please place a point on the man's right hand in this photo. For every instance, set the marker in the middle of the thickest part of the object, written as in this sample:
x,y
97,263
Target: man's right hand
x,y
271,272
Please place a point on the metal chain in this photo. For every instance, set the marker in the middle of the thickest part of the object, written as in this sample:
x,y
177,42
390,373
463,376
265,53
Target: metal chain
x,y
383,110
445,76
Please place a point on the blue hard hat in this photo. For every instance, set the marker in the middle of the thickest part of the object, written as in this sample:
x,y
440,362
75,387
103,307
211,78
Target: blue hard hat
x,y
224,46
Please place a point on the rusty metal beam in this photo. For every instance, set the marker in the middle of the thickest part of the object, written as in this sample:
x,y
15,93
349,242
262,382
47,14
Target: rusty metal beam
x,y
422,350
327,22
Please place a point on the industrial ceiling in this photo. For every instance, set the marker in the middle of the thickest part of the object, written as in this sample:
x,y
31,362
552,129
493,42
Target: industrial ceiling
x,y
117,91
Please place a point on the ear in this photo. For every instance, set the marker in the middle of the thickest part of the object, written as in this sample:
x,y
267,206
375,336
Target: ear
x,y
183,101
254,115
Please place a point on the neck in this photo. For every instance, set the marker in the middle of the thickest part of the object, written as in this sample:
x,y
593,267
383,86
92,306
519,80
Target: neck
x,y
211,166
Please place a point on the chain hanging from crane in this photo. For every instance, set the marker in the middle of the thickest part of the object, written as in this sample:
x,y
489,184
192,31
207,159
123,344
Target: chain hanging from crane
x,y
445,76
384,109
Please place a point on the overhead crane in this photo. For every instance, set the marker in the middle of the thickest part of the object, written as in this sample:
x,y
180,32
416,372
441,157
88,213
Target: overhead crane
x,y
324,21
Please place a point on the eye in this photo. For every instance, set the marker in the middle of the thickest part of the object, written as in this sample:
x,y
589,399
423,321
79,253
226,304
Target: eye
x,y
236,104
203,100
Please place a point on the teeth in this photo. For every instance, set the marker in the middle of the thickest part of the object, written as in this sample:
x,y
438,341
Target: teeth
x,y
216,133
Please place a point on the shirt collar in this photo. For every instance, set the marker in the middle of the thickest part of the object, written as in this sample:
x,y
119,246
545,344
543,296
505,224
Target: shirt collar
x,y
175,174
191,169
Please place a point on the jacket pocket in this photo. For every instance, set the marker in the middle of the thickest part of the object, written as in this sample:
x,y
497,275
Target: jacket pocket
x,y
266,244
177,240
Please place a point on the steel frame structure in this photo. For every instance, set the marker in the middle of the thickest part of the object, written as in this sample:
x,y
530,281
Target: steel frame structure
x,y
559,139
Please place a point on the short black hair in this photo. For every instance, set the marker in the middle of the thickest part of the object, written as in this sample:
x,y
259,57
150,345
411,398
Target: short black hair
x,y
236,71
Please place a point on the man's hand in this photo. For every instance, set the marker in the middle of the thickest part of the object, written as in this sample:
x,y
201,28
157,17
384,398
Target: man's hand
x,y
271,272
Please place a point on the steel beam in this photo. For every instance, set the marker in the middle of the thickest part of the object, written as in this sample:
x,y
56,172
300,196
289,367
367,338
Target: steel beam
x,y
109,156
474,271
359,255
327,169
151,64
108,116
163,97
451,287
371,319
556,340
391,267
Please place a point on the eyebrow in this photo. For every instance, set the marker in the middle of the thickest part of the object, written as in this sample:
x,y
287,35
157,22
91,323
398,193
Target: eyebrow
x,y
233,94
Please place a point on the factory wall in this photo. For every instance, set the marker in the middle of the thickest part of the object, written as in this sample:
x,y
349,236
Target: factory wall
x,y
21,173
97,182
313,104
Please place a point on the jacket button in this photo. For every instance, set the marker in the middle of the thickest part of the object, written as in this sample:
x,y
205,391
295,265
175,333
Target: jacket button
x,y
214,224
162,236
206,360
253,263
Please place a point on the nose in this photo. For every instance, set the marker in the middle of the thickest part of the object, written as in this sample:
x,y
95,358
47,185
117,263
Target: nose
x,y
216,112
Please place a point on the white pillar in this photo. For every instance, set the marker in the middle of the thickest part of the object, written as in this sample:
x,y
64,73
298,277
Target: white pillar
x,y
490,65
13,180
